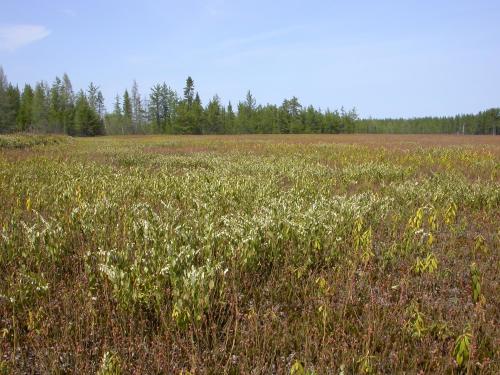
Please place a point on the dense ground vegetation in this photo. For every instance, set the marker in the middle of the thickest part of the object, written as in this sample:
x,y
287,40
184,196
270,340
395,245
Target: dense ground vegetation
x,y
250,254
57,109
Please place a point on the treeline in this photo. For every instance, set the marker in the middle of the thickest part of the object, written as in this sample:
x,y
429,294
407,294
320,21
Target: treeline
x,y
485,122
165,112
51,109
56,108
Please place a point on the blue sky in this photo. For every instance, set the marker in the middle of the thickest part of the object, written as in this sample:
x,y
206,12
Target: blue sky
x,y
386,58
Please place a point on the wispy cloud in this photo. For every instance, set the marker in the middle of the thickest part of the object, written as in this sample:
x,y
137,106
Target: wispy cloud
x,y
13,37
214,7
260,37
263,45
140,59
69,12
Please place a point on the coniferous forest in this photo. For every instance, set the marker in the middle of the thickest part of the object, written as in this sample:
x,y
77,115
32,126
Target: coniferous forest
x,y
57,108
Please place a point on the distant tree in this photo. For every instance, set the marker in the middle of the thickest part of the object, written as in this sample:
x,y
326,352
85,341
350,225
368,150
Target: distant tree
x,y
81,114
127,105
293,109
283,120
189,91
3,100
229,119
170,102
114,121
214,118
490,121
68,105
9,104
137,111
189,112
3,80
117,109
312,120
332,122
155,109
162,108
56,107
100,107
87,120
246,111
40,107
268,119
349,119
198,116
25,114
92,95
184,120
127,113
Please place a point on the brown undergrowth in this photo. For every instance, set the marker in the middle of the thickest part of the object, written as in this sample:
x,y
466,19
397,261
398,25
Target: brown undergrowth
x,y
251,255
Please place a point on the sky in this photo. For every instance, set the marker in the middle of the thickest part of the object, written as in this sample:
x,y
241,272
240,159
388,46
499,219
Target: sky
x,y
385,58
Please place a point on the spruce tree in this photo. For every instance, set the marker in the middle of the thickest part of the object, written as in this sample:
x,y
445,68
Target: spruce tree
x,y
198,116
56,107
189,91
92,93
127,113
137,111
40,107
87,120
68,105
229,120
214,120
3,101
25,115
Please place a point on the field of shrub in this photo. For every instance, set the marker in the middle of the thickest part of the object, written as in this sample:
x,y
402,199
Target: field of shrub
x,y
30,140
250,255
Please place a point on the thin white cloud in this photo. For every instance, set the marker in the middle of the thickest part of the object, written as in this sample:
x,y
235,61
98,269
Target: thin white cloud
x,y
69,12
139,59
214,7
260,37
13,37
